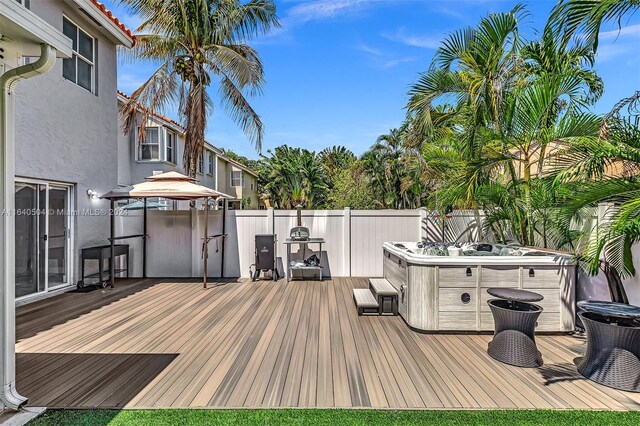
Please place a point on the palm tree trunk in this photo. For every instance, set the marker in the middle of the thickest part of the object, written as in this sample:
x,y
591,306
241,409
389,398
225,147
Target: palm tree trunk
x,y
528,202
196,118
543,152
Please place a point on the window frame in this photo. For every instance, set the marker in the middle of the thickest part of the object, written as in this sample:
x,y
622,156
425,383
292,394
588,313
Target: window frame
x,y
211,165
77,54
200,167
140,143
233,185
170,136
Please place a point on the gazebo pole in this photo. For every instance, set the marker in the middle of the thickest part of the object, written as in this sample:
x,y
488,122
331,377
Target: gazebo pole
x,y
205,253
144,239
112,263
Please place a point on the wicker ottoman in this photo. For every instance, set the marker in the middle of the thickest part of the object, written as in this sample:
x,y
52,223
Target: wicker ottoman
x,y
515,319
613,353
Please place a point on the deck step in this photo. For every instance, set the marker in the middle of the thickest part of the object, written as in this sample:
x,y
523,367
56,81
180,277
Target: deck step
x,y
382,287
386,295
365,302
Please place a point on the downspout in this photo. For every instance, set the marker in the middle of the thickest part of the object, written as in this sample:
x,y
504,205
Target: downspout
x,y
8,395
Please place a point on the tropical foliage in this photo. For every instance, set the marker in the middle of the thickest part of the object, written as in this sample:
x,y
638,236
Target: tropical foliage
x,y
585,17
351,189
505,127
197,44
291,177
507,103
393,170
605,172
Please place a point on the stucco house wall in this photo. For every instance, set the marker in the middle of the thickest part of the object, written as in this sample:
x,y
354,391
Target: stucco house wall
x,y
132,170
250,183
65,133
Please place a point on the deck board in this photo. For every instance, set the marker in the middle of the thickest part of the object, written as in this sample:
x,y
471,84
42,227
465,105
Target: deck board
x,y
169,343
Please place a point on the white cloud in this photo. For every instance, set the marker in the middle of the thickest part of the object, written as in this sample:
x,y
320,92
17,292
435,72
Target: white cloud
x,y
610,51
425,42
618,42
631,31
315,10
392,63
368,49
383,59
324,9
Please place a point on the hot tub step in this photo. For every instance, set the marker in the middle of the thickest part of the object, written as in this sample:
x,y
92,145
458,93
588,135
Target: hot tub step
x,y
386,294
365,302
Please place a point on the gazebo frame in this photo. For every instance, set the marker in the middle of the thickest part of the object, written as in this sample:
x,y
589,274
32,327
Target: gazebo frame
x,y
155,190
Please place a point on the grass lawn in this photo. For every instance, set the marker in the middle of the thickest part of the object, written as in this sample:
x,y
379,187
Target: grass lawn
x,y
333,417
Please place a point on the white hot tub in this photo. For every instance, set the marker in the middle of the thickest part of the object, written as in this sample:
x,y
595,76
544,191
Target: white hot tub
x,y
442,292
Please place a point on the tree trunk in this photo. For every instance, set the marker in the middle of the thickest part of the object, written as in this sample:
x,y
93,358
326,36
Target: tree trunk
x,y
195,112
616,288
528,201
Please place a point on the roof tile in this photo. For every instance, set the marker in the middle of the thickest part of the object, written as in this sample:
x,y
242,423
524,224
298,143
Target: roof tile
x,y
115,20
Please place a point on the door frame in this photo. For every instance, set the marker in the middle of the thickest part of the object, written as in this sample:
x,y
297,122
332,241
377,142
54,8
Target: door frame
x,y
70,225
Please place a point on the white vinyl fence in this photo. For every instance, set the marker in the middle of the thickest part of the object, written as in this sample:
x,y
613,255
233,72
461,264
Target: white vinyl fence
x,y
353,238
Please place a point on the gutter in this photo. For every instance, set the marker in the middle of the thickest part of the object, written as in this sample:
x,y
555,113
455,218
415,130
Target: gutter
x,y
45,62
8,393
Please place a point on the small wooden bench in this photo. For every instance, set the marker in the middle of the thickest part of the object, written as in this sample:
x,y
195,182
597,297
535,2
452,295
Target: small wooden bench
x,y
365,302
386,294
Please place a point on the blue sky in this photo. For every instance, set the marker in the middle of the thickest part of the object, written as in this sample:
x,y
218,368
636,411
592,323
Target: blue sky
x,y
338,70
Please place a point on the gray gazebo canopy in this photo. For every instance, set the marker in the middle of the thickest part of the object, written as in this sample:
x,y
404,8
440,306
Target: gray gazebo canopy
x,y
173,186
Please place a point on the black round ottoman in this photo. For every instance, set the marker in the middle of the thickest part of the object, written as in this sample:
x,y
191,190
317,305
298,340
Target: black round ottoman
x,y
613,352
515,322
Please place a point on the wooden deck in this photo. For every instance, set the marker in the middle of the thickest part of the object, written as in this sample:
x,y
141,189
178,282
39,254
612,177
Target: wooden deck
x,y
162,343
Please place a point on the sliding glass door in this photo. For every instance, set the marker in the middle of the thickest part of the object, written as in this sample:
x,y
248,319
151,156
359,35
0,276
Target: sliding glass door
x,y
43,230
30,227
58,242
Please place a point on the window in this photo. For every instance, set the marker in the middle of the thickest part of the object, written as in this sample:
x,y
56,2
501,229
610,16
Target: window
x,y
212,164
237,179
201,164
171,143
79,68
149,147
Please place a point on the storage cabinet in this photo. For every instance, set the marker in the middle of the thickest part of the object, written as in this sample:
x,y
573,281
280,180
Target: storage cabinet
x,y
500,276
458,299
458,276
542,277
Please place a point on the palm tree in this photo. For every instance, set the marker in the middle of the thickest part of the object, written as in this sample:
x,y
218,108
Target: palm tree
x,y
391,166
511,100
571,17
606,170
335,159
196,42
589,163
293,176
474,69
